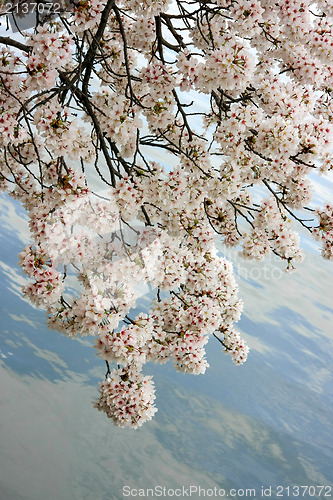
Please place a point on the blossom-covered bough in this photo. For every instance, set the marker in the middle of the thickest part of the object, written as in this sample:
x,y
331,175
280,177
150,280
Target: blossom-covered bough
x,y
203,121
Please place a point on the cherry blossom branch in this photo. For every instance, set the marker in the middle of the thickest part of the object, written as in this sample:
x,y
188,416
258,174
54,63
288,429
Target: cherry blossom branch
x,y
280,201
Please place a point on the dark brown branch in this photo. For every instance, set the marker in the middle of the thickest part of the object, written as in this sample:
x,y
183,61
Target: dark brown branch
x,y
14,43
88,60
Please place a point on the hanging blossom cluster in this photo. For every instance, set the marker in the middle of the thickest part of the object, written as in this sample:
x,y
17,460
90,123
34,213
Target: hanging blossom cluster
x,y
127,397
205,123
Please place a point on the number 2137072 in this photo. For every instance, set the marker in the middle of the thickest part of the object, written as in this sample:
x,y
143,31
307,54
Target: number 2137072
x,y
304,491
28,7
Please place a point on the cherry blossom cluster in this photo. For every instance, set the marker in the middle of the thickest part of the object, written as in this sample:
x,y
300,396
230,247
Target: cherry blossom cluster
x,y
119,121
143,137
127,398
48,286
62,133
236,346
50,51
272,230
324,232
86,15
